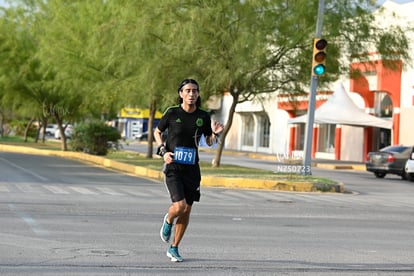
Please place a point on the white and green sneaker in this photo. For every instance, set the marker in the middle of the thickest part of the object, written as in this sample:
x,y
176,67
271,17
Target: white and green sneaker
x,y
173,254
165,232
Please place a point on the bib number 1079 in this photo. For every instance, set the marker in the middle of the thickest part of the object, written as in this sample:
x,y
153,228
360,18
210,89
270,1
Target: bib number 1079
x,y
183,155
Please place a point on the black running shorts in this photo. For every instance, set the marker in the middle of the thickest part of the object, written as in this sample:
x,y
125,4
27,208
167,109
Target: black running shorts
x,y
183,182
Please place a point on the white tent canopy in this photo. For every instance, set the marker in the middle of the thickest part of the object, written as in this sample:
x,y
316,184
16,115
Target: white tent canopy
x,y
340,109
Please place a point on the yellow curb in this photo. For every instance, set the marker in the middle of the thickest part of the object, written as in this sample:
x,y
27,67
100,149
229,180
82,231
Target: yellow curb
x,y
342,167
359,167
262,157
334,167
211,181
247,183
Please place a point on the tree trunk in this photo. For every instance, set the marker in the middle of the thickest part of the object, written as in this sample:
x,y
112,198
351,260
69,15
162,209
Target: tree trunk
x,y
227,127
61,129
26,131
1,124
44,124
153,107
39,127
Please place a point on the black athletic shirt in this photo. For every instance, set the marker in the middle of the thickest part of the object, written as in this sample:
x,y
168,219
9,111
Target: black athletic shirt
x,y
185,129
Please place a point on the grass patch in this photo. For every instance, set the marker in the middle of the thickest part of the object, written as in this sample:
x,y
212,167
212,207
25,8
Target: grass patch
x,y
19,141
135,159
223,171
156,163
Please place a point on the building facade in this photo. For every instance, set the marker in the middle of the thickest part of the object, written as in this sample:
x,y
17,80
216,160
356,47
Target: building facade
x,y
133,122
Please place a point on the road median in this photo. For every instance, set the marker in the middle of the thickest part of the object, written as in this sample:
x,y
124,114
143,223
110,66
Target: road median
x,y
208,181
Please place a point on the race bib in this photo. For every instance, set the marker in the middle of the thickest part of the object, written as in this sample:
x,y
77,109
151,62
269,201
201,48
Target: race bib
x,y
184,155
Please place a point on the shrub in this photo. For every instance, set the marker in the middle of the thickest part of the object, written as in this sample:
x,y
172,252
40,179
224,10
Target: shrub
x,y
94,137
19,127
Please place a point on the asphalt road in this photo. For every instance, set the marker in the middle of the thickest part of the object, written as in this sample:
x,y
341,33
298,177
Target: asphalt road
x,y
61,217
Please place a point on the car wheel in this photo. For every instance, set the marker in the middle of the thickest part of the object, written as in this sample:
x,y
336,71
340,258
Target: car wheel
x,y
410,176
379,174
403,175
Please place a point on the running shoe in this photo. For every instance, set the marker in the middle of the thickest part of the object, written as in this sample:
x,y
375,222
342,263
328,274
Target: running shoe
x,y
165,231
173,254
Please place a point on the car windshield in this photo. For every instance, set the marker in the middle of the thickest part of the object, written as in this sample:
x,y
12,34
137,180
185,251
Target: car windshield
x,y
395,148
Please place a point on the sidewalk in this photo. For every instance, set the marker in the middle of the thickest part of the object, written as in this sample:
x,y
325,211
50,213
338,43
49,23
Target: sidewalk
x,y
319,163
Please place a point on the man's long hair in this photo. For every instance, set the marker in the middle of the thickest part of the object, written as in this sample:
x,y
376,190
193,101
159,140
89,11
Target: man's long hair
x,y
184,82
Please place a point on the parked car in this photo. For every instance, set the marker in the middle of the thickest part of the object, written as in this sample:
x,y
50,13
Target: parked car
x,y
50,129
68,132
409,167
144,136
389,160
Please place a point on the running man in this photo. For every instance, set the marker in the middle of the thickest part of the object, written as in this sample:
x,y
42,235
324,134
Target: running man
x,y
186,123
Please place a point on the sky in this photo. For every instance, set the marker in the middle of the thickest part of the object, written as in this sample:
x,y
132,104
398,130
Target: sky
x,y
2,2
380,2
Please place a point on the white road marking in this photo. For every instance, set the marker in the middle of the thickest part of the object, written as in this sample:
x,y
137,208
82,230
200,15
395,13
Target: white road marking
x,y
55,189
109,191
82,190
36,228
4,189
44,179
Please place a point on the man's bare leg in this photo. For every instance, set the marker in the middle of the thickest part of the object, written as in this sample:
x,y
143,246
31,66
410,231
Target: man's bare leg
x,y
181,225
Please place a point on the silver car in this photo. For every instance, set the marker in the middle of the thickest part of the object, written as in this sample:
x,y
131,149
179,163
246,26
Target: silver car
x,y
389,160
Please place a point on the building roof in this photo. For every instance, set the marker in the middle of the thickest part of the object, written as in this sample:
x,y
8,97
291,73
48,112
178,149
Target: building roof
x,y
340,109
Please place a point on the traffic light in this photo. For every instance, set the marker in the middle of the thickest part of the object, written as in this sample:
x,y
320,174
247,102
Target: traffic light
x,y
319,56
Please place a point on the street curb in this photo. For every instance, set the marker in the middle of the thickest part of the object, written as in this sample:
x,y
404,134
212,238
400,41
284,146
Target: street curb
x,y
210,181
342,167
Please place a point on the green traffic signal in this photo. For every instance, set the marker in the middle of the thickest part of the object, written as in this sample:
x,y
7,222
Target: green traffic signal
x,y
319,70
319,56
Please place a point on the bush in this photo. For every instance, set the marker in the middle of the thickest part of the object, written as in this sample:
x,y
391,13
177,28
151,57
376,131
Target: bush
x,y
94,137
19,127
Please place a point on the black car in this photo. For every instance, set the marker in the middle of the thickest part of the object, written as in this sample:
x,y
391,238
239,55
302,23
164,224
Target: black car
x,y
389,160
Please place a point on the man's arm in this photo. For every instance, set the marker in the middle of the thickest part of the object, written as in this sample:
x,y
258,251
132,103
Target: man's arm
x,y
158,136
162,150
217,128
211,139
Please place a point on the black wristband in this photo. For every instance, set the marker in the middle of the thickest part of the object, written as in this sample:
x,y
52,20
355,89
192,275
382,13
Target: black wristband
x,y
215,134
161,150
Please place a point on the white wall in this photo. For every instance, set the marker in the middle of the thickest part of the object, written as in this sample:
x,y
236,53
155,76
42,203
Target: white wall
x,y
352,143
407,126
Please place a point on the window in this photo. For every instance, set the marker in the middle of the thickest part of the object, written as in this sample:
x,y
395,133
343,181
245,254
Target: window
x,y
300,137
383,105
386,107
264,131
326,141
248,130
299,143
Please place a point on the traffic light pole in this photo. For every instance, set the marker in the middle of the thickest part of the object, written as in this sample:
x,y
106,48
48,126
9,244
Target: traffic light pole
x,y
307,160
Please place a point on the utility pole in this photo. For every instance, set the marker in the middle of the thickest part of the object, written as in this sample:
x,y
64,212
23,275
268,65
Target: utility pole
x,y
306,170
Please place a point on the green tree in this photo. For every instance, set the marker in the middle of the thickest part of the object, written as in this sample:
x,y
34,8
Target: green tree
x,y
252,48
32,85
120,52
107,54
69,42
20,69
151,64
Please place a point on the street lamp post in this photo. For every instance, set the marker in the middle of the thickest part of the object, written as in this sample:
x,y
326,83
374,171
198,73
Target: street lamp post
x,y
312,102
